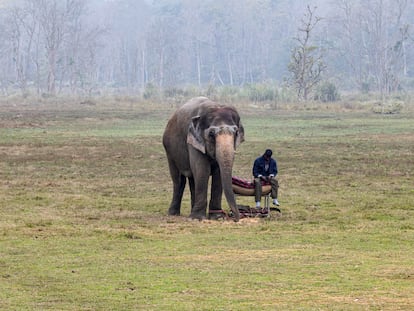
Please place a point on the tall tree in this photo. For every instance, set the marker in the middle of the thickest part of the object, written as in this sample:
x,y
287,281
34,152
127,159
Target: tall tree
x,y
306,65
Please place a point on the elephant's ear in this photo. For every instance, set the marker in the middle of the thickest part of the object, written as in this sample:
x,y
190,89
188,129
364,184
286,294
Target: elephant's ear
x,y
194,137
240,135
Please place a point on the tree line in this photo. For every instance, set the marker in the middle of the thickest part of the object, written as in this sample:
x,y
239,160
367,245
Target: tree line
x,y
83,47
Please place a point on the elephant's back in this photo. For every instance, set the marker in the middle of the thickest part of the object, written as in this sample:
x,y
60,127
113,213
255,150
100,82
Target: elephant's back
x,y
194,103
180,120
198,106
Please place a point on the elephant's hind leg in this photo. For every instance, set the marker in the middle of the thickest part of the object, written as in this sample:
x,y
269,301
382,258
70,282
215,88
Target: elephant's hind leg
x,y
179,185
179,182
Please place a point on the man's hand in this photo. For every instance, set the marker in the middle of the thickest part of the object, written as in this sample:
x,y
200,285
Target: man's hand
x,y
265,178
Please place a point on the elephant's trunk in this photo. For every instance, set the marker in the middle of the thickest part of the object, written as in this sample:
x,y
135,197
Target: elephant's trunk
x,y
225,159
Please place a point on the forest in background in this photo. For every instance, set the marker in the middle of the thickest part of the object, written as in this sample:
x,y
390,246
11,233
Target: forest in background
x,y
139,47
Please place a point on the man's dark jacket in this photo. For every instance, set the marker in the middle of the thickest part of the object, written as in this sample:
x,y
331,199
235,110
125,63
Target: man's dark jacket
x,y
259,167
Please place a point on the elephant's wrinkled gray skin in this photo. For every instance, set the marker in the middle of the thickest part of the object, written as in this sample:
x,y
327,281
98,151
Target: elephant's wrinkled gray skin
x,y
200,140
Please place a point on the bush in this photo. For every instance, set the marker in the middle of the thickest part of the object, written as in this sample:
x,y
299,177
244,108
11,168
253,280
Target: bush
x,y
388,107
327,92
286,95
174,92
261,92
151,92
229,93
211,91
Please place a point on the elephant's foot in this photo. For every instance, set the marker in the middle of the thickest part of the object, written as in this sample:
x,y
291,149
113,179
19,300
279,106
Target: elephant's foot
x,y
217,214
199,216
173,212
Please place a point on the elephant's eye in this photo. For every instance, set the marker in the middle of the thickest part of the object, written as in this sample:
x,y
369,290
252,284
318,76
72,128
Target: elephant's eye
x,y
212,134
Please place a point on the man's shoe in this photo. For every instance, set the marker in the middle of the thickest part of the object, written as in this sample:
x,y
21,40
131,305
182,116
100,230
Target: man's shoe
x,y
275,202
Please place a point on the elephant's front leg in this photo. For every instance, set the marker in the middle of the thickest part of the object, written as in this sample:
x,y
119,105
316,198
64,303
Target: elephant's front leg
x,y
199,208
201,174
215,210
192,190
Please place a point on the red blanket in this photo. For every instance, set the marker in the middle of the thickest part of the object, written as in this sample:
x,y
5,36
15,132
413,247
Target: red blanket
x,y
245,183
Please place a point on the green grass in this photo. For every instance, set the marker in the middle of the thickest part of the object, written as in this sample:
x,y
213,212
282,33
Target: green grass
x,y
84,193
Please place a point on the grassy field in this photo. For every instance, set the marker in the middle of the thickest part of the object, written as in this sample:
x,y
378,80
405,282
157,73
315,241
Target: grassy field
x,y
85,188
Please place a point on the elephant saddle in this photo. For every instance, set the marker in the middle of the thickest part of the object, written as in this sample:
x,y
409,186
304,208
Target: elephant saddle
x,y
242,186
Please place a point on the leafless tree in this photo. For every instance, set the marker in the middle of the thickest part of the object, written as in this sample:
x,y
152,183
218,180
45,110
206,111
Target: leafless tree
x,y
306,65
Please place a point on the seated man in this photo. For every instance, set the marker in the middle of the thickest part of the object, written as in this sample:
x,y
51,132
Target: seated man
x,y
265,168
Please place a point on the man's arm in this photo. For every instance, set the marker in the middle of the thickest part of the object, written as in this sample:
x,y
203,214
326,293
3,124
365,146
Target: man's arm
x,y
256,168
273,168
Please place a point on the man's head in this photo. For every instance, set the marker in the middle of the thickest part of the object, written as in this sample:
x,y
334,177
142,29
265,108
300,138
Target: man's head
x,y
268,154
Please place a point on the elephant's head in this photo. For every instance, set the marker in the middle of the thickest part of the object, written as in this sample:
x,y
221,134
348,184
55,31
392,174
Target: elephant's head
x,y
217,131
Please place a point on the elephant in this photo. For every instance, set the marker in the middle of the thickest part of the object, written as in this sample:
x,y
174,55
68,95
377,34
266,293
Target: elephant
x,y
200,140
